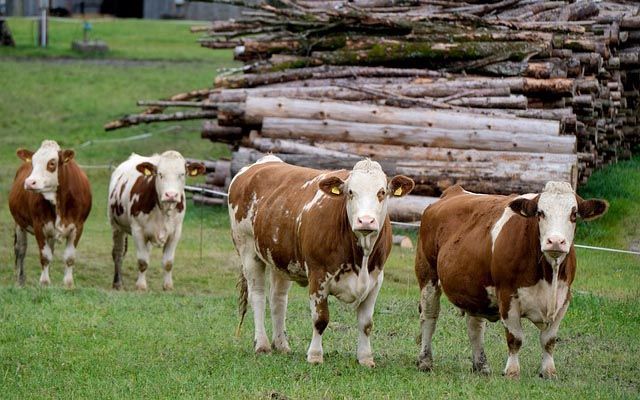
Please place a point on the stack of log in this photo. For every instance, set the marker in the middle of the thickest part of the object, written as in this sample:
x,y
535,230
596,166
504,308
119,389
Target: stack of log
x,y
498,96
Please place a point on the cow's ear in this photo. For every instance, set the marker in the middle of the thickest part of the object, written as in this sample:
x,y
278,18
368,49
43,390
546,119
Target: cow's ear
x,y
146,168
24,154
525,207
592,208
333,186
400,186
195,169
66,155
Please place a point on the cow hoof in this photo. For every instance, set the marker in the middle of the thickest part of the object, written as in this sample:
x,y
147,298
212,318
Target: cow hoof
x,y
117,285
141,286
315,359
425,362
44,282
548,374
281,348
367,362
425,365
68,283
261,347
482,369
512,374
167,287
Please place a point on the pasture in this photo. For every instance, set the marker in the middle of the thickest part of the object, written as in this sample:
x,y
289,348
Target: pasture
x,y
94,342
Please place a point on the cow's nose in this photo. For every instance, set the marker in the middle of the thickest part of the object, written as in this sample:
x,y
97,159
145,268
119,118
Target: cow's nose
x,y
29,183
365,224
171,196
556,244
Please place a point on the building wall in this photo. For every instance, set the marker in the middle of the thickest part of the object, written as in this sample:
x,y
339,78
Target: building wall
x,y
153,9
29,8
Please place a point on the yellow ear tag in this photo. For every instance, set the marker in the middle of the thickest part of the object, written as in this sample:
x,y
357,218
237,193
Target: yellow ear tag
x,y
66,160
398,192
27,159
193,172
147,172
335,190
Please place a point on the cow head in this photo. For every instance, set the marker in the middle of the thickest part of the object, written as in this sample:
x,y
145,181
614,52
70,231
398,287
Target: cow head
x,y
557,209
46,162
170,174
367,191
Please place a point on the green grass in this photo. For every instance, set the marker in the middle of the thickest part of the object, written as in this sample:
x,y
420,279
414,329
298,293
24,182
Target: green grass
x,y
127,38
92,342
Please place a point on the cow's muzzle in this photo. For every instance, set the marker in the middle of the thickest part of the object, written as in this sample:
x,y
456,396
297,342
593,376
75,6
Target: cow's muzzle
x,y
366,225
555,247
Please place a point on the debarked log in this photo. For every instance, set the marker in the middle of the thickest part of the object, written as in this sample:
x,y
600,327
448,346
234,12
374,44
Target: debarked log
x,y
432,177
256,109
408,208
465,138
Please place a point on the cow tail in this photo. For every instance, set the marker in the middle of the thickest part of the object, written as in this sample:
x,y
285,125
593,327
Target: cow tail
x,y
243,292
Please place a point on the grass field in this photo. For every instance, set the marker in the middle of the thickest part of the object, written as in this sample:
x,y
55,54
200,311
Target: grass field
x,y
127,38
92,342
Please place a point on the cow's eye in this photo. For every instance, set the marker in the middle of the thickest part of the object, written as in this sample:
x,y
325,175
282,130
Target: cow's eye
x,y
381,194
51,165
350,194
160,176
574,216
182,175
540,214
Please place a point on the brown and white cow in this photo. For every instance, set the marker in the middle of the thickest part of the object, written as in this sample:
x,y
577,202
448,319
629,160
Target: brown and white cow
x,y
501,258
147,201
325,229
50,198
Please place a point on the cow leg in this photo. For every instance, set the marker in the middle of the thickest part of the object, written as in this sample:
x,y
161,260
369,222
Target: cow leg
x,y
46,254
365,324
510,315
320,317
143,250
429,312
20,249
548,342
117,253
278,302
168,254
254,272
69,258
475,330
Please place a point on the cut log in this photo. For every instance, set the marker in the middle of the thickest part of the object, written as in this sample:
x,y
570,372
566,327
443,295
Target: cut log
x,y
391,152
408,208
482,139
226,134
323,72
258,108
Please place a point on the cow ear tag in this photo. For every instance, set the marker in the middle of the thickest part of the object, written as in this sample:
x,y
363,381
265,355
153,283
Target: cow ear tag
x,y
193,172
398,192
28,159
147,172
335,190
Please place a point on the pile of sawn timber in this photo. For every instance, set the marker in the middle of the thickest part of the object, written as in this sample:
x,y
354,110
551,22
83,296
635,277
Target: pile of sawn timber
x,y
498,96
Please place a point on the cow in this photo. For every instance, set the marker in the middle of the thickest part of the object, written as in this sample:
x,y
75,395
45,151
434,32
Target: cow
x,y
325,229
501,258
147,201
51,199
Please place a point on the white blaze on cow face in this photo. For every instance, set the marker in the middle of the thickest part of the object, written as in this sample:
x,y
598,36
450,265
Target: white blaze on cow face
x,y
170,174
45,163
557,209
367,192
